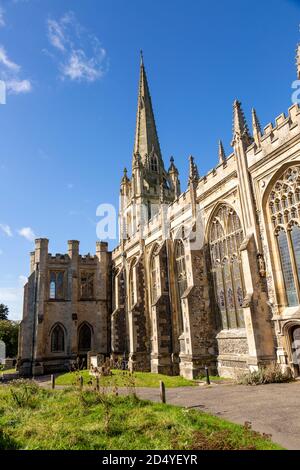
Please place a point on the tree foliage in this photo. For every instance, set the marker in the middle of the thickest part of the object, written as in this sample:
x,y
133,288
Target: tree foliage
x,y
9,332
3,312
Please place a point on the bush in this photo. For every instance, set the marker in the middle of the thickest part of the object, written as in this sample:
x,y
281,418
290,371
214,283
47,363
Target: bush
x,y
269,374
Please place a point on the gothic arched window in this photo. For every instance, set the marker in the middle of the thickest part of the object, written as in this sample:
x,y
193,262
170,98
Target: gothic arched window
x,y
284,211
154,275
86,285
57,339
132,285
85,338
181,276
180,268
225,238
154,163
56,286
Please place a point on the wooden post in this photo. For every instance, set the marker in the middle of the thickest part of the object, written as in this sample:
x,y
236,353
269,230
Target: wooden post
x,y
80,382
207,375
162,391
97,384
53,382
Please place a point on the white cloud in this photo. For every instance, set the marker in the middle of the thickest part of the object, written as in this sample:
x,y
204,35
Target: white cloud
x,y
18,86
4,60
81,68
56,35
6,230
82,58
2,20
10,74
27,233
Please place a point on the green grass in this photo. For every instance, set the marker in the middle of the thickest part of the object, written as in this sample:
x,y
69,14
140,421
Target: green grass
x,y
120,379
35,418
8,371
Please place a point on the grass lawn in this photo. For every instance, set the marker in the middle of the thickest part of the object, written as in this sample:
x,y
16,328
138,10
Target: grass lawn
x,y
120,379
8,371
36,418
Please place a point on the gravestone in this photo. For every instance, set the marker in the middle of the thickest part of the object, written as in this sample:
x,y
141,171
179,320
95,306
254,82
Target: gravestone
x,y
2,352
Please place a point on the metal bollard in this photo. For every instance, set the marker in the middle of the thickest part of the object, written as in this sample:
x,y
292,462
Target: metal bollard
x,y
80,382
207,375
53,382
162,391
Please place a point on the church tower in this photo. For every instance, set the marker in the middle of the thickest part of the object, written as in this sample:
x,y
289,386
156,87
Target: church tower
x,y
150,184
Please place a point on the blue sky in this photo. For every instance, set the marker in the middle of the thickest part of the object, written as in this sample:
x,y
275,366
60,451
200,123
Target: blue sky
x,y
71,69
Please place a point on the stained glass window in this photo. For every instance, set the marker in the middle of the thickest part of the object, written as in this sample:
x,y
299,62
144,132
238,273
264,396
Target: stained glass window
x,y
56,285
226,235
153,270
284,213
181,276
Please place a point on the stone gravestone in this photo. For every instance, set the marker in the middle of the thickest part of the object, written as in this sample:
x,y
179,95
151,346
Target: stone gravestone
x,y
2,352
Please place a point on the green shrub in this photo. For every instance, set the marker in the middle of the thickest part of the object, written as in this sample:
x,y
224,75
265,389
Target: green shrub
x,y
271,373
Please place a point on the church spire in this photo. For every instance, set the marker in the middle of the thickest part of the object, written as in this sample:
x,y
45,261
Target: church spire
x,y
146,138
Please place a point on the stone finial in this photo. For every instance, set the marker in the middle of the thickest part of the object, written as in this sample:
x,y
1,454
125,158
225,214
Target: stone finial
x,y
172,168
240,127
256,128
222,155
193,173
125,177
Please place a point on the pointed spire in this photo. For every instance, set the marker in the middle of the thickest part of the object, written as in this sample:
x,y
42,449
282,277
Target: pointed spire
x,y
222,156
146,138
256,128
298,61
193,173
240,127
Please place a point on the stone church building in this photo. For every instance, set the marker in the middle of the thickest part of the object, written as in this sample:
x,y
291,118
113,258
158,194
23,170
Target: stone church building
x,y
209,276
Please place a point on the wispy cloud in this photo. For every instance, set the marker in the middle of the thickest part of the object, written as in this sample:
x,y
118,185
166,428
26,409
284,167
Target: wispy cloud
x,y
10,73
81,56
18,86
4,60
27,233
2,20
6,230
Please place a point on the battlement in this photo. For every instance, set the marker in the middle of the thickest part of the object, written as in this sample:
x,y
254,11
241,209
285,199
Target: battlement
x,y
41,255
275,135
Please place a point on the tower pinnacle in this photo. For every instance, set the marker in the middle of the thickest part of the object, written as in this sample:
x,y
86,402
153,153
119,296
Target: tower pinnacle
x,y
240,127
222,156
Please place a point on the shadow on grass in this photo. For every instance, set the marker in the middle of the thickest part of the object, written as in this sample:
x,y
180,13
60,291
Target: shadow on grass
x,y
7,443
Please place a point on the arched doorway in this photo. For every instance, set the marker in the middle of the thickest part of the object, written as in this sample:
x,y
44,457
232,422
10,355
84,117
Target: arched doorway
x,y
295,347
84,342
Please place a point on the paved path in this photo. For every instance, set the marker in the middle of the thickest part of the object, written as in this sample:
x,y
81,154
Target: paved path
x,y
272,409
